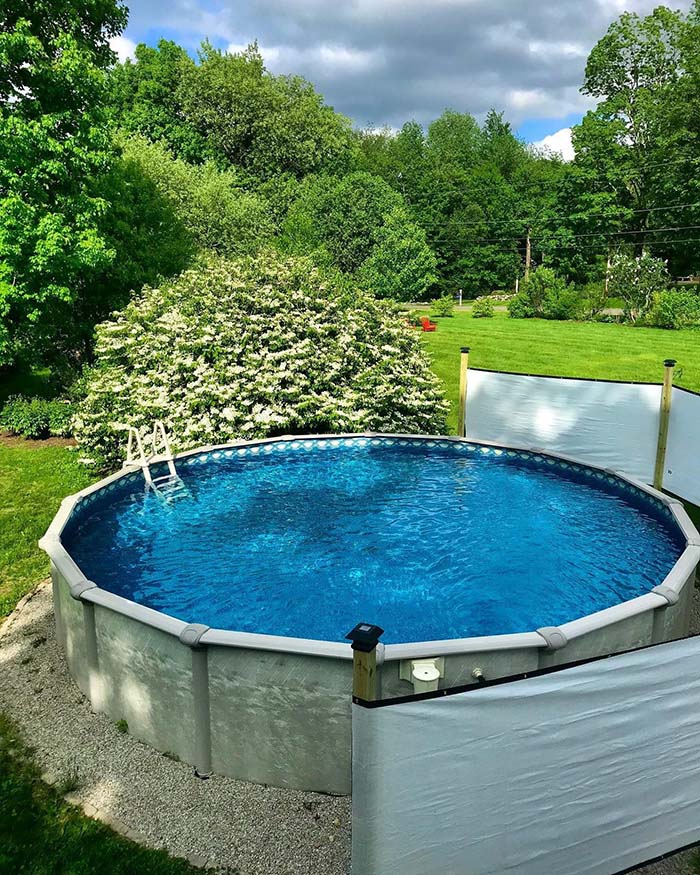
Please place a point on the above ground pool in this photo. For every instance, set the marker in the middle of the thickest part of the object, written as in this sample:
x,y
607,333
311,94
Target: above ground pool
x,y
305,539
213,621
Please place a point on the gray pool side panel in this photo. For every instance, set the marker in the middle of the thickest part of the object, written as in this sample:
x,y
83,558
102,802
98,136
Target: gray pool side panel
x,y
279,708
145,678
281,718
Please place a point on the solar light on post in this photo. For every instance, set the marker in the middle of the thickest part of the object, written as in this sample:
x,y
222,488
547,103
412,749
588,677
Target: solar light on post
x,y
463,371
664,418
365,638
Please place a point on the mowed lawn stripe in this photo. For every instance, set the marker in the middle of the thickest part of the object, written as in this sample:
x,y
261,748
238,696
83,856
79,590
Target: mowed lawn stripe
x,y
565,349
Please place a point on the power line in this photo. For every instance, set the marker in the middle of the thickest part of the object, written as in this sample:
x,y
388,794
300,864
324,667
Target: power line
x,y
543,238
547,183
529,220
598,246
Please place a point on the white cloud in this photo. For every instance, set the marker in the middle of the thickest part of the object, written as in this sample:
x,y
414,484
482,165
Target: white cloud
x,y
558,142
330,60
123,46
554,102
556,50
388,61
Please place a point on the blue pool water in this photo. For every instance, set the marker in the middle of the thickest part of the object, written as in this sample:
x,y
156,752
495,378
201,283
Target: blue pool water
x,y
428,541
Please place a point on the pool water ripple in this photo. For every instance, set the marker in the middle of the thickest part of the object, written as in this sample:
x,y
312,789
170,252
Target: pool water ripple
x,y
428,542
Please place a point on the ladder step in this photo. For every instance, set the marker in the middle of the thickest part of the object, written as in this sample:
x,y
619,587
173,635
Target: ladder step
x,y
167,486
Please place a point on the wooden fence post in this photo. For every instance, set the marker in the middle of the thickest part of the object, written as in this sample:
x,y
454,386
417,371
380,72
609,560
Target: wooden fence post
x,y
365,638
664,417
463,372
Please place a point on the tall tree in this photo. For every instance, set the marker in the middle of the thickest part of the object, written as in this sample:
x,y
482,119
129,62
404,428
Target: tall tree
x,y
53,54
264,123
626,147
454,138
145,98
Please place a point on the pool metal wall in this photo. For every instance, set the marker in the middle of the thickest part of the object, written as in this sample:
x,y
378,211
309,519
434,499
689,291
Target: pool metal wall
x,y
278,710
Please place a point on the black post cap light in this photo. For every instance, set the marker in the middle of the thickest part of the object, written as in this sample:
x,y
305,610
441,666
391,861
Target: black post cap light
x,y
670,363
465,349
365,637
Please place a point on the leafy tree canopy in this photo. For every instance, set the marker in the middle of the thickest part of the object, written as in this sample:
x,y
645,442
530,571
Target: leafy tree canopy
x,y
281,122
361,224
55,144
145,98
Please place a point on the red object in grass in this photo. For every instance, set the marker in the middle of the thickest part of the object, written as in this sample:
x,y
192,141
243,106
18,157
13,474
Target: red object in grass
x,y
427,324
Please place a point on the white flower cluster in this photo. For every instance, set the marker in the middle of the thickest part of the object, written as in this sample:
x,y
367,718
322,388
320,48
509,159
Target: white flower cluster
x,y
252,348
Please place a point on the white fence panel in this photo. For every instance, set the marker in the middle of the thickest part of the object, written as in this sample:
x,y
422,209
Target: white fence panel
x,y
584,771
614,425
682,475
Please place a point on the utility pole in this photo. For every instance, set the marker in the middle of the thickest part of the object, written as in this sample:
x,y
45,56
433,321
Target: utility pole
x,y
528,255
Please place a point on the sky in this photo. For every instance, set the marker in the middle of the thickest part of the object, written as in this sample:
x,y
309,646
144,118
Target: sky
x,y
385,62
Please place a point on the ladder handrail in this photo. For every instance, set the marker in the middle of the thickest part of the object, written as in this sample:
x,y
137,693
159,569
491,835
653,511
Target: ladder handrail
x,y
136,455
160,432
135,438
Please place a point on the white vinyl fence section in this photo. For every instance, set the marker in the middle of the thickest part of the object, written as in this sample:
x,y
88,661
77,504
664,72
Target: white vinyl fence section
x,y
614,425
682,472
587,770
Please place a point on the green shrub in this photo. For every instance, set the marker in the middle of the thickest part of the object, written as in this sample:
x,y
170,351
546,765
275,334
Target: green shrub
x,y
594,300
520,307
444,306
483,308
37,417
547,296
674,308
562,302
637,281
256,347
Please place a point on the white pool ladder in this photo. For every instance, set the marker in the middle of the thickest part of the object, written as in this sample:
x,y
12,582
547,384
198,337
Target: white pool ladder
x,y
166,486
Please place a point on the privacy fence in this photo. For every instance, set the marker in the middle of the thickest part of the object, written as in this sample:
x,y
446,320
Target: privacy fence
x,y
648,431
590,768
593,768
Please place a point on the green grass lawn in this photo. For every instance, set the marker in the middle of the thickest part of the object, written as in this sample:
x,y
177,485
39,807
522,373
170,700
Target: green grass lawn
x,y
38,832
563,349
33,480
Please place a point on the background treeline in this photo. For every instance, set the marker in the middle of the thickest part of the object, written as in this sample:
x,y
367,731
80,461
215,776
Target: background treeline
x,y
113,176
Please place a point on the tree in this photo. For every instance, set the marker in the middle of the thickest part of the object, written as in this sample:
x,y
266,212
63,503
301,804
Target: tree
x,y
637,281
344,216
264,123
626,146
213,206
256,347
149,239
145,98
454,138
55,145
401,266
361,225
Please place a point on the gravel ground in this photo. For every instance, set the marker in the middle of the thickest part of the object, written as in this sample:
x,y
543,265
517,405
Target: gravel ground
x,y
252,829
222,823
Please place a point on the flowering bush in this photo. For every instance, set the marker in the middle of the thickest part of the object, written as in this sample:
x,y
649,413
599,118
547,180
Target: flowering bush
x,y
636,281
252,348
